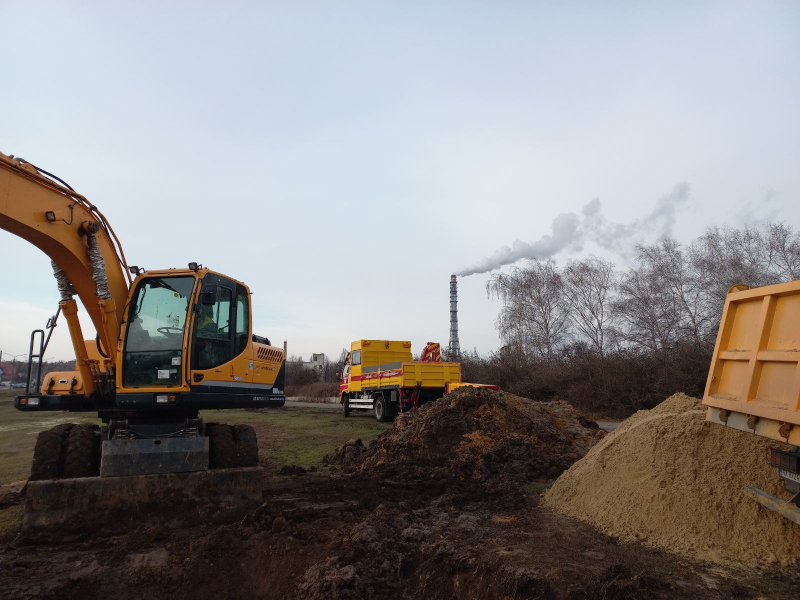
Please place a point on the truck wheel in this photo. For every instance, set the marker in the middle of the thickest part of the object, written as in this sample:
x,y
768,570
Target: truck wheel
x,y
82,452
48,453
382,410
221,447
246,446
346,405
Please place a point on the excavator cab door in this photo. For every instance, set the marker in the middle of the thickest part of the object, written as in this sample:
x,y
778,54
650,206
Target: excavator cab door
x,y
221,335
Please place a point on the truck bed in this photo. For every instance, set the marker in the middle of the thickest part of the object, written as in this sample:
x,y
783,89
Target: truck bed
x,y
754,381
408,374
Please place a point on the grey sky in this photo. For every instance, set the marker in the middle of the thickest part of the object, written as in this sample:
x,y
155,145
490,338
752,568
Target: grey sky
x,y
343,158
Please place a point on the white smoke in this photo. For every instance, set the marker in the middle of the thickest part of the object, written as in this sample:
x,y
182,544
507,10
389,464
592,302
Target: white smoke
x,y
570,231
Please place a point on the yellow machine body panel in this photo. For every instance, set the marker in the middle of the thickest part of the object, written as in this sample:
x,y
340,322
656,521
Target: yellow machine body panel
x,y
380,352
430,374
754,381
370,354
376,364
267,364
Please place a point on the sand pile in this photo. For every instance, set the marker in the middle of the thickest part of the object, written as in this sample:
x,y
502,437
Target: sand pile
x,y
474,434
669,479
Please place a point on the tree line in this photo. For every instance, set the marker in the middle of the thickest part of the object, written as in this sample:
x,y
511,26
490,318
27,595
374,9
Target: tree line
x,y
617,340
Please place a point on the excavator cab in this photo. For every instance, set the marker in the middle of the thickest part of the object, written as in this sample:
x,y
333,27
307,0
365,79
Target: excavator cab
x,y
187,345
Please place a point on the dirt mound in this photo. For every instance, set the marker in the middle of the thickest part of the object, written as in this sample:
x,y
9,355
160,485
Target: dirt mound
x,y
475,434
667,478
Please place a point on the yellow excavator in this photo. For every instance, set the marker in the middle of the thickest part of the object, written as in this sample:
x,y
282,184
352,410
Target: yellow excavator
x,y
167,344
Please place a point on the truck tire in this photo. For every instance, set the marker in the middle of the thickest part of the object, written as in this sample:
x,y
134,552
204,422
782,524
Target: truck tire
x,y
221,447
346,405
382,410
48,453
246,446
82,452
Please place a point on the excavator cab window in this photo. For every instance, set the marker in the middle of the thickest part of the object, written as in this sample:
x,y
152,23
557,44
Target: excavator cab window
x,y
213,344
222,328
154,336
242,319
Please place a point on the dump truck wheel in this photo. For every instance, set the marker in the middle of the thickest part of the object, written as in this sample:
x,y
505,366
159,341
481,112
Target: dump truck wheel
x,y
346,405
82,452
381,412
48,454
221,447
246,446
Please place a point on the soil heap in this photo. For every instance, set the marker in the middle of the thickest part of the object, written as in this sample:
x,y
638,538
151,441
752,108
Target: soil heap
x,y
667,478
476,434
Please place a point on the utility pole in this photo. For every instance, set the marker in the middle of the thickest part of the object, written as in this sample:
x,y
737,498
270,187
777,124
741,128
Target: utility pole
x,y
14,365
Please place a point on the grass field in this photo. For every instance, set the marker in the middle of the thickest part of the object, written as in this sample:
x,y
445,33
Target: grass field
x,y
18,431
297,436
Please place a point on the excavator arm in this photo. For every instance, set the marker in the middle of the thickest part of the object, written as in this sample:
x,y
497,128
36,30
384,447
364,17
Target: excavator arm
x,y
87,258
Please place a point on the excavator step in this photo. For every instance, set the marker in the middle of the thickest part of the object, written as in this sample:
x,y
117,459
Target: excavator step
x,y
215,495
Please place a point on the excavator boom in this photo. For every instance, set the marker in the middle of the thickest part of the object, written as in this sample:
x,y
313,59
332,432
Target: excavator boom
x,y
61,224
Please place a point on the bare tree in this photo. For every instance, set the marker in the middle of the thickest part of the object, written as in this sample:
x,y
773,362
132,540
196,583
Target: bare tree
x,y
647,310
589,287
686,281
783,247
535,313
750,256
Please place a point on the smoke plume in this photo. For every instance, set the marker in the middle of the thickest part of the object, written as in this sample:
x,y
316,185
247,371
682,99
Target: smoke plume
x,y
569,232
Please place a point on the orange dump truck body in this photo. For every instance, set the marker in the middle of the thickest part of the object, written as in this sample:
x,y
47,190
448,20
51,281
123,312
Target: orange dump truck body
x,y
754,381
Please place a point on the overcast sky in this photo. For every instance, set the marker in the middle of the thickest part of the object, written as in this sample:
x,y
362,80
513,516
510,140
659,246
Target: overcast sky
x,y
344,158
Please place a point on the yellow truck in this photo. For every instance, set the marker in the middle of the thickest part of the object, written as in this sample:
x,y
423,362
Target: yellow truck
x,y
754,381
382,376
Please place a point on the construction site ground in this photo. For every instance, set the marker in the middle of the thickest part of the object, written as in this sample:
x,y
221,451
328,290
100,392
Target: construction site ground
x,y
325,533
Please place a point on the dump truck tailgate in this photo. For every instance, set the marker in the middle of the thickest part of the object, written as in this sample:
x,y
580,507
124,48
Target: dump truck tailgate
x,y
754,381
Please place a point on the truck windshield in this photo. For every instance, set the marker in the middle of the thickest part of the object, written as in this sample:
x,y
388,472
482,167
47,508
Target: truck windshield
x,y
154,336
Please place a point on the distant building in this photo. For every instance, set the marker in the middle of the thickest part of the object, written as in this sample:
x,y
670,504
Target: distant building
x,y
317,362
7,369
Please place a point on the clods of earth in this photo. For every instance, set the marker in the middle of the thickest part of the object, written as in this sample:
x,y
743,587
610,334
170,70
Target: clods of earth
x,y
445,505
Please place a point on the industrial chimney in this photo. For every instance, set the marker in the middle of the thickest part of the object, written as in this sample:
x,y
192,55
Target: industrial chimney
x,y
454,349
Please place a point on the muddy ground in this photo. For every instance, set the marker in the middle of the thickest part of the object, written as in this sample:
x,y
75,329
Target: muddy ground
x,y
377,532
327,535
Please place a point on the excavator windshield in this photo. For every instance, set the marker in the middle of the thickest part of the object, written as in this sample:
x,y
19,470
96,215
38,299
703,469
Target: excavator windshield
x,y
153,351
